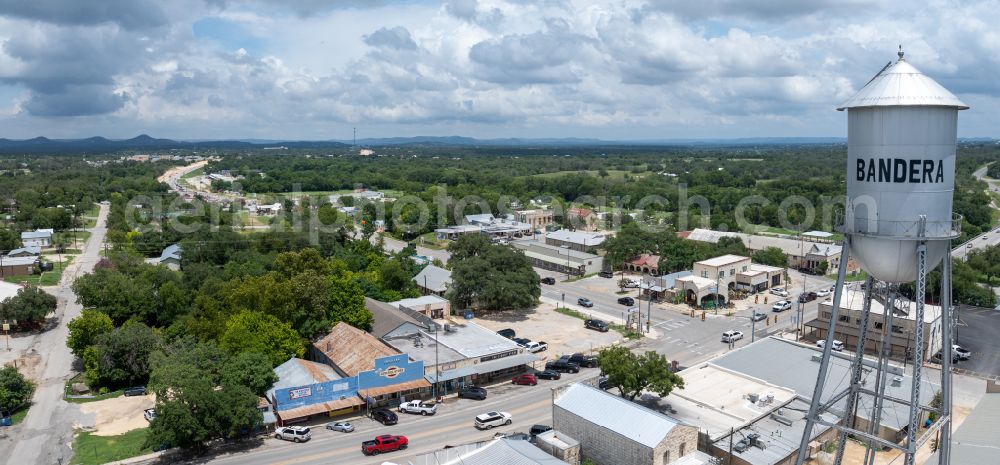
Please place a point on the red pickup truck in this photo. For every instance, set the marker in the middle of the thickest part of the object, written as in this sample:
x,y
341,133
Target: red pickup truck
x,y
384,443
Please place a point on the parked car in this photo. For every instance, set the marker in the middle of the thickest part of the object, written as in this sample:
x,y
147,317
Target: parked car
x,y
596,325
824,292
626,301
521,341
384,443
563,366
507,333
491,419
606,274
135,391
385,417
837,345
472,392
960,352
781,306
758,316
538,429
586,361
548,280
342,426
422,407
603,383
585,302
536,346
629,283
525,379
293,433
548,374
807,296
779,291
149,414
732,336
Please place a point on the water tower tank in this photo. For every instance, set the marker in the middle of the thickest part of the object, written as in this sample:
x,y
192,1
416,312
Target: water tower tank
x,y
901,130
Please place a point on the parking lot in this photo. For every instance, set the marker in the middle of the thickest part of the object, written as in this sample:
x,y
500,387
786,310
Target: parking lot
x,y
563,334
977,332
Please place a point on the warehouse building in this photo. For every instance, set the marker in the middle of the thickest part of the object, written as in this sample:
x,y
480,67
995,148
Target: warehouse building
x,y
560,259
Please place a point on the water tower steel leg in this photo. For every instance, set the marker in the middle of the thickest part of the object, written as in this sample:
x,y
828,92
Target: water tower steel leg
x,y
884,352
824,366
944,443
855,386
918,354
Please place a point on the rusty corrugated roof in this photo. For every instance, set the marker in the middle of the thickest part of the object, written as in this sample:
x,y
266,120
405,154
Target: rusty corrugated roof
x,y
351,349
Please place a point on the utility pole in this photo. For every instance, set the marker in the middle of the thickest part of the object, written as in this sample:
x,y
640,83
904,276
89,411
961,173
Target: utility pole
x,y
437,366
718,280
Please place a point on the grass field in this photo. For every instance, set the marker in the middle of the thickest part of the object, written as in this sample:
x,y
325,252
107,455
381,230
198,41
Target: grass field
x,y
18,416
80,378
46,278
861,275
629,334
613,175
90,449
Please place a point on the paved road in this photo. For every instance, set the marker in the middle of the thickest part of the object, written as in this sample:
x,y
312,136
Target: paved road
x,y
452,425
47,431
395,245
988,238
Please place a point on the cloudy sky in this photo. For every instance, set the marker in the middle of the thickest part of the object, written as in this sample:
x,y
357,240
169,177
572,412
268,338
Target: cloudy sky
x,y
614,69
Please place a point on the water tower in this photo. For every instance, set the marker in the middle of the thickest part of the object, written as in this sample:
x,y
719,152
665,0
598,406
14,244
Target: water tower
x,y
898,226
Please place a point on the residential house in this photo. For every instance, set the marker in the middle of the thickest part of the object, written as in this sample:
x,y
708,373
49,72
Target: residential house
x,y
171,257
433,280
582,241
615,431
560,259
32,251
37,238
18,266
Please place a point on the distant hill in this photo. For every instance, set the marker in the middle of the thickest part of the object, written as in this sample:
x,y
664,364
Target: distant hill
x,y
142,142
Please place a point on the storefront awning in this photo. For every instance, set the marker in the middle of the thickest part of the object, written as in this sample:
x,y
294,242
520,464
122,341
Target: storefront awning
x,y
322,407
485,367
392,388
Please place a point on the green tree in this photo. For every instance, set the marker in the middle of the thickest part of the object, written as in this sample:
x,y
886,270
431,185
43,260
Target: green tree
x,y
121,358
493,277
249,369
632,374
261,333
85,329
15,389
9,239
29,307
771,256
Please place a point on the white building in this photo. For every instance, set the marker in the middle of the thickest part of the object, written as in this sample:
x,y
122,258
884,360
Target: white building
x,y
37,238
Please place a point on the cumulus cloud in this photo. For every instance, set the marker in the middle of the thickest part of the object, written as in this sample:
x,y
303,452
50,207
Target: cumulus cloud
x,y
130,14
629,68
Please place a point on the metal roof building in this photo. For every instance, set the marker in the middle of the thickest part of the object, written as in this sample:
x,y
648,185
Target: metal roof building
x,y
976,442
614,430
502,451
433,279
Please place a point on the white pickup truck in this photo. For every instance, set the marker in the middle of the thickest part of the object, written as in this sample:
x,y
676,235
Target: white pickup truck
x,y
536,346
423,407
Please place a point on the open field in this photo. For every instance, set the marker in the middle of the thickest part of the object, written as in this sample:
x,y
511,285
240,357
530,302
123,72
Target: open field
x,y
91,449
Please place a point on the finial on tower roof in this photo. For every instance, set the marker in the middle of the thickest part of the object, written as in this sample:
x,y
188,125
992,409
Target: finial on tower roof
x,y
900,52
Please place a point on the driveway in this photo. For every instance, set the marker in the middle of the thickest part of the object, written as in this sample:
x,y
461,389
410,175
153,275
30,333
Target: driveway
x,y
977,332
47,432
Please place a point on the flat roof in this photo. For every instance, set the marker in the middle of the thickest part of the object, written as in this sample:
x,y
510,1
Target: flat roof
x,y
548,252
467,340
722,260
779,440
584,238
429,299
765,268
975,440
854,299
796,366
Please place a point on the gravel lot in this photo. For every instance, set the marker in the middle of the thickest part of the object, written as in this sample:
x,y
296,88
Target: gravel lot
x,y
564,334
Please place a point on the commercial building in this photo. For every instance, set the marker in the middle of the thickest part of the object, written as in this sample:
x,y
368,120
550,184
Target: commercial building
x,y
807,252
975,440
452,233
37,238
18,266
583,218
901,334
377,368
645,264
431,306
457,355
582,241
538,218
433,280
616,431
795,366
387,317
306,389
502,451
560,259
726,273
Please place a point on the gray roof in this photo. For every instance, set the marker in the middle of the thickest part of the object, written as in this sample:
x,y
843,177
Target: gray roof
x,y
482,218
779,440
19,261
30,250
387,317
626,418
297,372
503,451
37,234
584,238
469,340
484,367
172,251
795,366
975,442
541,250
437,279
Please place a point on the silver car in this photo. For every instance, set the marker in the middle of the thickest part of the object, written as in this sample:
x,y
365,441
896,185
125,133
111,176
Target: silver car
x,y
341,426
